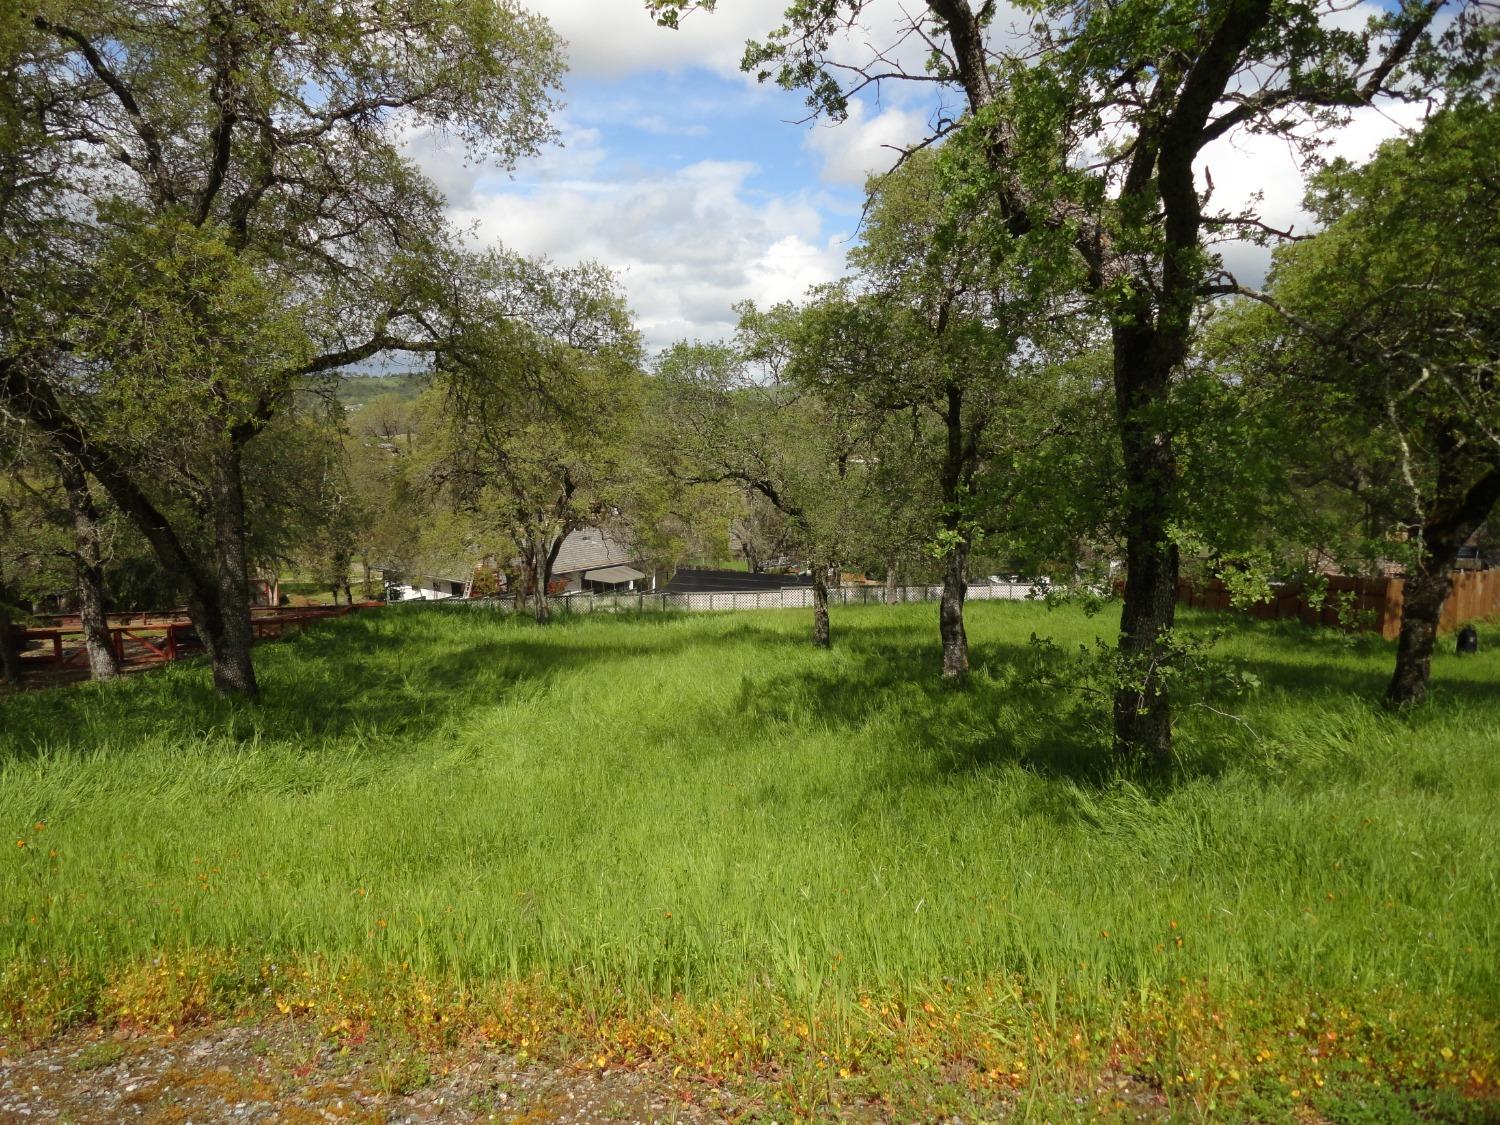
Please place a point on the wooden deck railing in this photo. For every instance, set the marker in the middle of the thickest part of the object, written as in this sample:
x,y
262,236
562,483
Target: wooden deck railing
x,y
156,636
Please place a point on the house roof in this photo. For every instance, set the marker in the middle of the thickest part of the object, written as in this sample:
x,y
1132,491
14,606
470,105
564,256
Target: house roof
x,y
696,580
613,574
590,548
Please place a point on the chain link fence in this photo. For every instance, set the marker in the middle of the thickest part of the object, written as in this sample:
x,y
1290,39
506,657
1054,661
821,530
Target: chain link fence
x,y
788,597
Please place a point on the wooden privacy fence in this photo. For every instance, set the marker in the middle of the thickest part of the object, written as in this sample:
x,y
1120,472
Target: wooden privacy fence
x,y
1367,604
788,597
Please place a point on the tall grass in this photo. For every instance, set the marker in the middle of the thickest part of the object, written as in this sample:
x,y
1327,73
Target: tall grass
x,y
705,807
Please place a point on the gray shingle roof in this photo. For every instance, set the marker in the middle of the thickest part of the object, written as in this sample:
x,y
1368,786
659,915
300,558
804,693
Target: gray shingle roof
x,y
590,548
614,575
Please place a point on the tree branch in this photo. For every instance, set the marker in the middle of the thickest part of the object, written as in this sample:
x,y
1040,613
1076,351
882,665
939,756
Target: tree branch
x,y
143,128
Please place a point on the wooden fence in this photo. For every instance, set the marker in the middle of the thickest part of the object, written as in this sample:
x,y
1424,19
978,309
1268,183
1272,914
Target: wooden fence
x,y
1367,604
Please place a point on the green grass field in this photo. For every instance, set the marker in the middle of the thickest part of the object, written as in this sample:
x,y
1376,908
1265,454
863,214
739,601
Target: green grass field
x,y
695,840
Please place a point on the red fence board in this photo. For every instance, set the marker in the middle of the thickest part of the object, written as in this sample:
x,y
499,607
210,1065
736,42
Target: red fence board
x,y
1375,603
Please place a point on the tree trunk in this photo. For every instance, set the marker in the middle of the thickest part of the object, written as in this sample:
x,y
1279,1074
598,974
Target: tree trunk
x,y
539,576
1152,330
1142,709
951,612
1456,513
1421,611
820,635
341,563
204,594
88,569
10,650
226,631
892,590
960,463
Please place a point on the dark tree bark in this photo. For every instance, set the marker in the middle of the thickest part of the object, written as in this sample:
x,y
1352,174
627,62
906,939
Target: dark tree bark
x,y
226,629
541,557
540,573
1152,331
960,464
892,587
951,613
10,650
1142,708
88,568
1426,592
1150,339
341,558
1455,515
821,637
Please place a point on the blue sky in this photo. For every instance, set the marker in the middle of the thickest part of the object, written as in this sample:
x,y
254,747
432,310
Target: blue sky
x,y
696,186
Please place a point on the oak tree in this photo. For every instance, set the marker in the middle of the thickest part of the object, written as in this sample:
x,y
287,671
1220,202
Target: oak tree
x,y
221,163
1094,118
1389,316
533,409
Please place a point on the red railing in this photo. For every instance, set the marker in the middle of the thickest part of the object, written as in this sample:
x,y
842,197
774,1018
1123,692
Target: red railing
x,y
158,636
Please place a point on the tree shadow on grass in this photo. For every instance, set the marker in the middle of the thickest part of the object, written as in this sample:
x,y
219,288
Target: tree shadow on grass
x,y
992,720
1306,661
384,681
1006,716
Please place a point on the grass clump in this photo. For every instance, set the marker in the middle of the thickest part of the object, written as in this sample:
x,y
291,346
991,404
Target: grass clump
x,y
98,1055
696,838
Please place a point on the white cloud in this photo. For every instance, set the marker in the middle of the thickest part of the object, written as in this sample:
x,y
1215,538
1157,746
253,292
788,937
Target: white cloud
x,y
884,42
1246,166
866,143
690,241
444,162
687,243
789,267
1356,17
1264,175
574,160
613,38
576,156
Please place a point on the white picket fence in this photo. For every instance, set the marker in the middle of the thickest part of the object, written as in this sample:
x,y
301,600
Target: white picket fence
x,y
788,597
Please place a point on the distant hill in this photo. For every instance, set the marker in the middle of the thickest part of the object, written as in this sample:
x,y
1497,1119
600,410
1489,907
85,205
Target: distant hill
x,y
358,390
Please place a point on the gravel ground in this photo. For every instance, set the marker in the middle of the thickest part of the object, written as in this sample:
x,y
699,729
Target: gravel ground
x,y
287,1073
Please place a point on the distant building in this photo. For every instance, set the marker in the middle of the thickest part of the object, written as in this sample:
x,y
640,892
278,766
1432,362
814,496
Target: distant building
x,y
428,587
591,560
